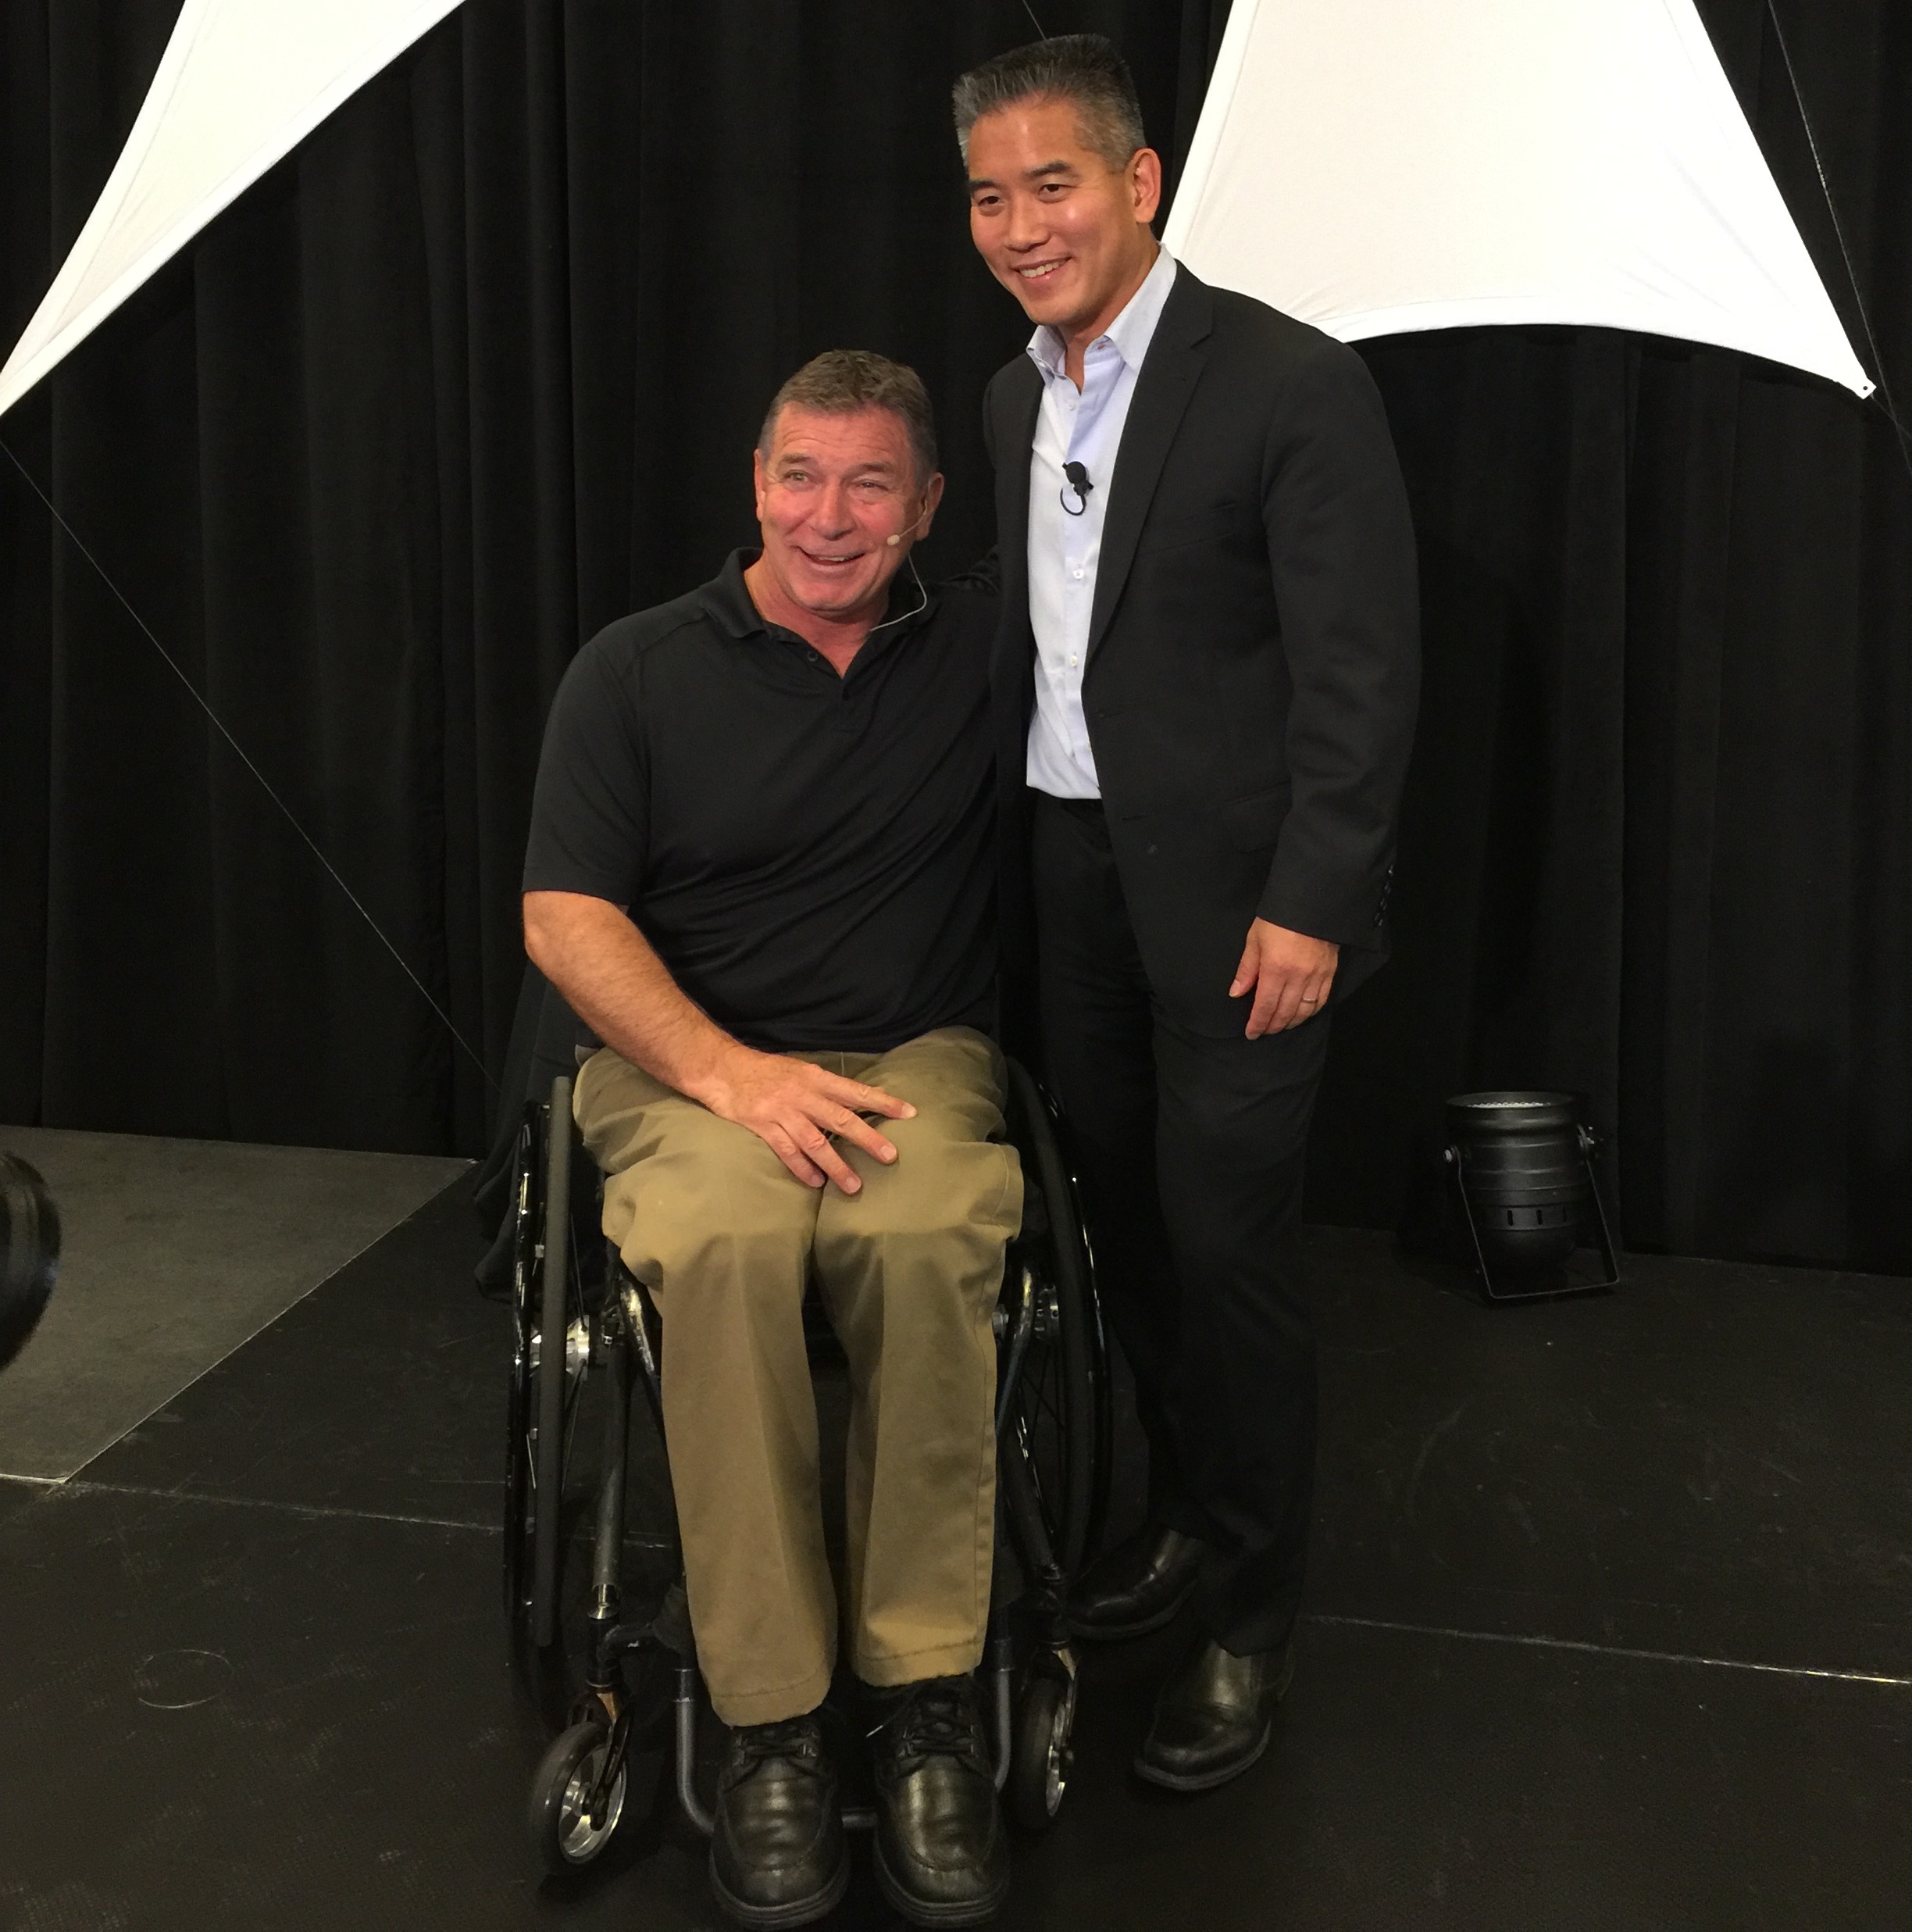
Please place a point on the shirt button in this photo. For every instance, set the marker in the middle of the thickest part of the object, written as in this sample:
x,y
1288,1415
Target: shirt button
x,y
813,657
1072,661
1079,576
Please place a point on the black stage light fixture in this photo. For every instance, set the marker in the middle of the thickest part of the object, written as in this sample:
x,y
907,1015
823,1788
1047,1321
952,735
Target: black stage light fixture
x,y
1520,1168
30,1248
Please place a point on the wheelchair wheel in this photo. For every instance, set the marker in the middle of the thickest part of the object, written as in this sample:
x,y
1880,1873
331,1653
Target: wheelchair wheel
x,y
550,1356
1043,1754
1058,1421
575,1809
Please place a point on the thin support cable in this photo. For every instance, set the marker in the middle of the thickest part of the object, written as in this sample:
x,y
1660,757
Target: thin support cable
x,y
1031,12
1886,404
239,750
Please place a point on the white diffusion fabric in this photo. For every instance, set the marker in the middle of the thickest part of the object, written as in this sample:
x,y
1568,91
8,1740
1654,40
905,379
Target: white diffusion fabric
x,y
242,82
1374,166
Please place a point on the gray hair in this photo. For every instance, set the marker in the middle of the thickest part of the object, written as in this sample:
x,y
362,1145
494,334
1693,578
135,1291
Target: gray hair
x,y
1082,69
840,382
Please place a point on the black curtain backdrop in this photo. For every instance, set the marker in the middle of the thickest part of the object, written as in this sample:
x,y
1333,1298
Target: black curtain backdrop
x,y
478,369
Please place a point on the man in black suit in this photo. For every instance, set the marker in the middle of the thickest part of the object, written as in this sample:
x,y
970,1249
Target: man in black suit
x,y
1205,687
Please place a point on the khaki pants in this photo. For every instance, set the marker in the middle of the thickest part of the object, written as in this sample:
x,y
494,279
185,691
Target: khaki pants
x,y
910,1268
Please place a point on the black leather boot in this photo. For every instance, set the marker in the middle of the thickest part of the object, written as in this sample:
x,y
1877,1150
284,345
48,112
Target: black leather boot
x,y
1214,1716
942,1856
1137,1586
778,1856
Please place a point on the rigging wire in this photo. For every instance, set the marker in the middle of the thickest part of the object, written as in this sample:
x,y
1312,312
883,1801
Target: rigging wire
x,y
172,665
1888,407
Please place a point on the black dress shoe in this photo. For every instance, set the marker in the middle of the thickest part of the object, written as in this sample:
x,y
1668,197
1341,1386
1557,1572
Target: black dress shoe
x,y
941,1857
778,1855
1214,1717
1137,1586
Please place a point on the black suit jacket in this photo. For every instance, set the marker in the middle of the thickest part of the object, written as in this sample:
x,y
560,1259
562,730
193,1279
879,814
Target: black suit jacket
x,y
1254,659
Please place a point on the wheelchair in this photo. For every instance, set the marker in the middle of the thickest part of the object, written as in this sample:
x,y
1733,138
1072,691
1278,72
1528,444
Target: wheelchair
x,y
579,1317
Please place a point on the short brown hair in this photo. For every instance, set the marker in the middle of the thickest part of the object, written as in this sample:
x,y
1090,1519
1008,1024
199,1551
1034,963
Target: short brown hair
x,y
841,381
1082,69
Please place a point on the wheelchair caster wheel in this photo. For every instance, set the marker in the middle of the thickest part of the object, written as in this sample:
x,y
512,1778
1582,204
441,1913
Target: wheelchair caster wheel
x,y
567,1832
1039,1769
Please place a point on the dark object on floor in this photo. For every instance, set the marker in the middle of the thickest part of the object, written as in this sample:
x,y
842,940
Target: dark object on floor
x,y
30,1248
1137,1586
1517,1192
778,1856
1214,1716
942,1856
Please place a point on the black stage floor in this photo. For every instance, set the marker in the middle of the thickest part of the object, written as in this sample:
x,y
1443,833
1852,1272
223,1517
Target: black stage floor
x,y
1608,1628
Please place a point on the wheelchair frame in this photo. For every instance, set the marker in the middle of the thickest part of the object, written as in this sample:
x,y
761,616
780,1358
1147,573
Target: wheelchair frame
x,y
1053,1424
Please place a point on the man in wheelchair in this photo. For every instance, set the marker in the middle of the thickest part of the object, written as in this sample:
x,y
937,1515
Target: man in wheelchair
x,y
761,869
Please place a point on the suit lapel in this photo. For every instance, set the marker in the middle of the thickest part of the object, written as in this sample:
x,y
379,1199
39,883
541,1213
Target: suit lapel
x,y
1162,390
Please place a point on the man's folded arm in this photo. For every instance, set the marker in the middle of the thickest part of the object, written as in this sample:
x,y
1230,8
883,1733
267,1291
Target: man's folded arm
x,y
615,982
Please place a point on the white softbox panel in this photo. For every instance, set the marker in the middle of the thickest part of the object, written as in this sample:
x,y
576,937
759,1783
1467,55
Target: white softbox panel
x,y
242,82
1374,166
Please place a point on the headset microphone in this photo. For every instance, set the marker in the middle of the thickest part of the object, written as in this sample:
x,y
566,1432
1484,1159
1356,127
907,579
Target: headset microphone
x,y
892,542
922,595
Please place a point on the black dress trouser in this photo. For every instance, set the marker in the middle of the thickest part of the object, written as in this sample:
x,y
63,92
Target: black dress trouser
x,y
1190,1146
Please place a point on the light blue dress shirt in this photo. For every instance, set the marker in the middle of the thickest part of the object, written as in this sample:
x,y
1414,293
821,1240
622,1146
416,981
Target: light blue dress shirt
x,y
1083,427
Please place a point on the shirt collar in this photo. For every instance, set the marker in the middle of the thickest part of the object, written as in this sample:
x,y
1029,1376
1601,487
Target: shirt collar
x,y
1131,332
728,601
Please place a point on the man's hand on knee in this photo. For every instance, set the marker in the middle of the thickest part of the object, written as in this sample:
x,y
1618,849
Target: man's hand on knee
x,y
799,1111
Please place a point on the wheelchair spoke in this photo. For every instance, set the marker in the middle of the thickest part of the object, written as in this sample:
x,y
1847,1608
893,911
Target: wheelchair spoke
x,y
1046,1386
1044,1397
1043,1479
1042,1420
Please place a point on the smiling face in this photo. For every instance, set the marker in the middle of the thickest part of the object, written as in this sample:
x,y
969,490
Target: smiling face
x,y
1066,232
835,487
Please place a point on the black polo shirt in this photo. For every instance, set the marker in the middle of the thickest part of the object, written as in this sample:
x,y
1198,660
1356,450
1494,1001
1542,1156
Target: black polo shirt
x,y
812,856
